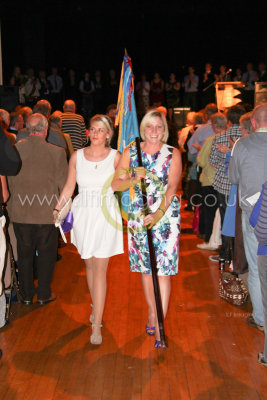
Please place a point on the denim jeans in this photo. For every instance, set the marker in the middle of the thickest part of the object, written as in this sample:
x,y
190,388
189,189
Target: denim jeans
x,y
222,204
262,264
254,287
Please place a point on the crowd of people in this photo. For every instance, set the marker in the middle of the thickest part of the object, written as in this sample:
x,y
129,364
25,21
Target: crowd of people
x,y
225,169
94,92
220,154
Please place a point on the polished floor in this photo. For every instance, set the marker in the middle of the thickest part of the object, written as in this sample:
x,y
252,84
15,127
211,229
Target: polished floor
x,y
212,352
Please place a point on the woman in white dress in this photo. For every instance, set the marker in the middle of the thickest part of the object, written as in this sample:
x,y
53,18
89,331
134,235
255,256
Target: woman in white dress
x,y
97,228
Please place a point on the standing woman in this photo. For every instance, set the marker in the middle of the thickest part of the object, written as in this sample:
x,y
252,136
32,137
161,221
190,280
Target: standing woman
x,y
97,227
162,171
173,94
157,90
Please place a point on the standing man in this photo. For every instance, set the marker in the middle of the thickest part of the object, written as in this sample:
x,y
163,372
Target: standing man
x,y
56,85
191,82
249,78
16,123
248,169
208,88
74,125
204,131
221,182
33,195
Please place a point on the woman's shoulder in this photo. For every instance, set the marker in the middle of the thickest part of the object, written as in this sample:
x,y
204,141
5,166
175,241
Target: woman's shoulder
x,y
168,148
113,152
171,151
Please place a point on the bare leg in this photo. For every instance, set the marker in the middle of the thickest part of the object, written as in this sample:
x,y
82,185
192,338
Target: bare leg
x,y
99,289
89,275
165,290
99,286
147,284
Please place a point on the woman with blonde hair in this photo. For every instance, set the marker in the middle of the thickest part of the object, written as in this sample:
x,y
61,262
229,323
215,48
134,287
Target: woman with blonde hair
x,y
97,226
161,170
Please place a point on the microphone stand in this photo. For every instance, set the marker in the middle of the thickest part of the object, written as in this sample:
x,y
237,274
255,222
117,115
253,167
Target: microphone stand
x,y
216,80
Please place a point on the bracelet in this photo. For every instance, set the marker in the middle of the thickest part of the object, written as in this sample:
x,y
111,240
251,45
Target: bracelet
x,y
55,209
163,212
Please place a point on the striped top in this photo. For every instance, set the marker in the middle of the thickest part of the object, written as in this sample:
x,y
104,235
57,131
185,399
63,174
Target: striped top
x,y
74,125
221,181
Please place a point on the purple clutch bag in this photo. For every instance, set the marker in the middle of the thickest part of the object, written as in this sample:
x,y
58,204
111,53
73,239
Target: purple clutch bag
x,y
67,222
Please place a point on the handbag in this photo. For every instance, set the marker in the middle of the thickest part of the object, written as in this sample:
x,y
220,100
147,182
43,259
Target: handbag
x,y
64,219
232,289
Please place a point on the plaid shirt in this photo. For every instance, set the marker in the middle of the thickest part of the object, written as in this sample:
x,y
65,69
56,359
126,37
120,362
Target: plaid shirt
x,y
221,182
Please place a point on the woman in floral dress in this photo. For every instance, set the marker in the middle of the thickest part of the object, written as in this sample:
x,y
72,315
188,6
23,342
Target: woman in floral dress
x,y
162,170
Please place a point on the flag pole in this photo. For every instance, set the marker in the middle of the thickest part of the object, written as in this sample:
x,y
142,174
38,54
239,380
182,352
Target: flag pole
x,y
152,256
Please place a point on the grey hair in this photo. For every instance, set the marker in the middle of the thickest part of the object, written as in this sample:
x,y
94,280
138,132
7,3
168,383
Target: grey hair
x,y
245,122
219,120
37,124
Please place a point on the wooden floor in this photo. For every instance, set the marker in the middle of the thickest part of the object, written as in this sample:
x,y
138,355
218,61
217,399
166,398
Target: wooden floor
x,y
212,351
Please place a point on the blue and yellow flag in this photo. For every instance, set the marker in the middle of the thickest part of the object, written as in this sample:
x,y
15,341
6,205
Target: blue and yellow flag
x,y
126,118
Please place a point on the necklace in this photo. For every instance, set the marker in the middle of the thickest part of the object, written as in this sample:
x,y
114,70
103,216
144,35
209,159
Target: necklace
x,y
96,163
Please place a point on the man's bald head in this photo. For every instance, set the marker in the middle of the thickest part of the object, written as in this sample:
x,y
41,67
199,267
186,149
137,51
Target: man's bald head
x,y
37,125
259,116
69,106
42,107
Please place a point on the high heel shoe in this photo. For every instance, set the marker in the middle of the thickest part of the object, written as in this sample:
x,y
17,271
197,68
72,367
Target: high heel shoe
x,y
95,338
92,317
150,330
158,345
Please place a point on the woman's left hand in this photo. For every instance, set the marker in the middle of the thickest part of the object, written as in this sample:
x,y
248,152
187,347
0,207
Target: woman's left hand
x,y
151,219
223,148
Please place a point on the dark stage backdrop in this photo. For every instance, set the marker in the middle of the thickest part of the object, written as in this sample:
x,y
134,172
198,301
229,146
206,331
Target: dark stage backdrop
x,y
159,36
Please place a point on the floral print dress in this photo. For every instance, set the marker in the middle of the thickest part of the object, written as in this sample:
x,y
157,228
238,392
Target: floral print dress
x,y
166,232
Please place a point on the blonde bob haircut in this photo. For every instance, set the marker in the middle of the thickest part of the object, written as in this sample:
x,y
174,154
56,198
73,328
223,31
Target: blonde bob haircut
x,y
106,121
149,116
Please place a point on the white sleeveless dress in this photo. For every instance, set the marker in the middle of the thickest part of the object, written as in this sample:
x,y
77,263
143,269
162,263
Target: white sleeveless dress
x,y
97,224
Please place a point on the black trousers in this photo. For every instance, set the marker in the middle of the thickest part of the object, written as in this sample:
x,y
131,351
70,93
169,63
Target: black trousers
x,y
222,204
44,239
209,207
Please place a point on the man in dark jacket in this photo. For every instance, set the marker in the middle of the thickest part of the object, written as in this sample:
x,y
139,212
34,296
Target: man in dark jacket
x,y
33,195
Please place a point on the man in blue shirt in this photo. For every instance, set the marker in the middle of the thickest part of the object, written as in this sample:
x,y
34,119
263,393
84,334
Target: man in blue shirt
x,y
204,131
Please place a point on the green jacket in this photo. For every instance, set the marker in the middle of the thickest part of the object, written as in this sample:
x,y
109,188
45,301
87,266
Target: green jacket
x,y
208,171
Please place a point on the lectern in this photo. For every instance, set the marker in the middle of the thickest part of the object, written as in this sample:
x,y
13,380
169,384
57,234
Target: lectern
x,y
226,93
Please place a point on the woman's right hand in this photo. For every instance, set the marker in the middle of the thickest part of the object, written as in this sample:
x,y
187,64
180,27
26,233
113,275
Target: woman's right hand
x,y
140,173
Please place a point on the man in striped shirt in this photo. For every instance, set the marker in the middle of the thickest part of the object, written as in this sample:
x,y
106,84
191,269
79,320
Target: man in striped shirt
x,y
74,125
221,183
